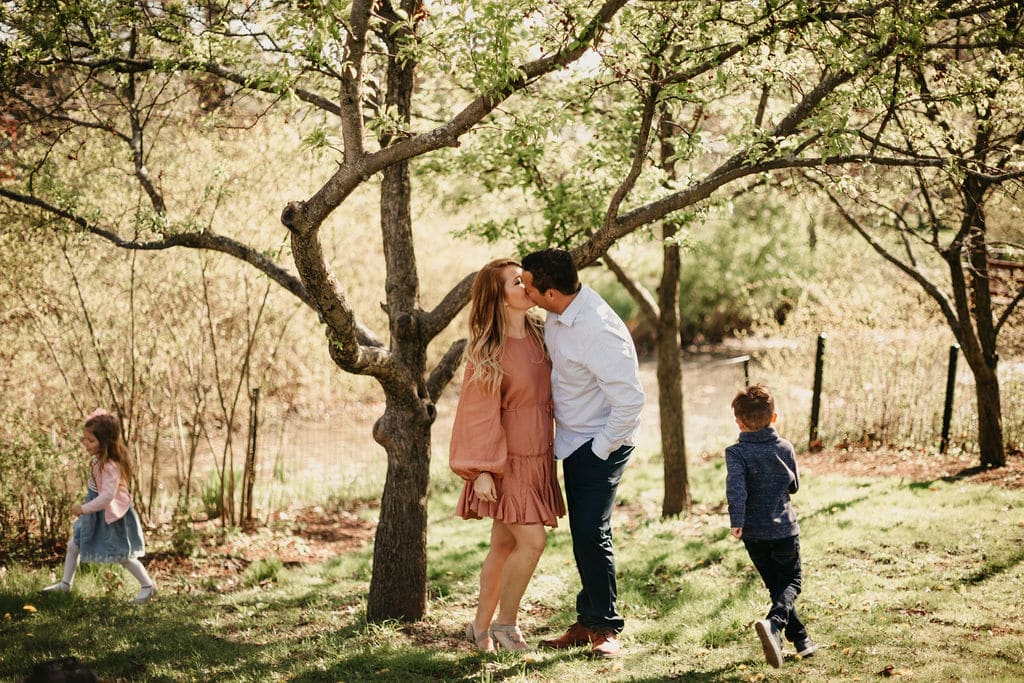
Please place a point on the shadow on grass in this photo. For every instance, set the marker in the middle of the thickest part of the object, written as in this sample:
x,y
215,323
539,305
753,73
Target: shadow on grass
x,y
833,508
995,566
117,641
450,567
657,581
416,664
725,673
190,636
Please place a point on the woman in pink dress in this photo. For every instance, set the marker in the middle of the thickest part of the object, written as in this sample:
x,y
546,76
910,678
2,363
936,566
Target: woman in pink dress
x,y
502,447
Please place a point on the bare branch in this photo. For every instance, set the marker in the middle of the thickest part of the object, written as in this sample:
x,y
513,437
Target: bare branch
x,y
309,215
193,240
929,287
352,78
441,375
307,96
139,155
455,300
1009,310
643,139
736,167
762,106
641,295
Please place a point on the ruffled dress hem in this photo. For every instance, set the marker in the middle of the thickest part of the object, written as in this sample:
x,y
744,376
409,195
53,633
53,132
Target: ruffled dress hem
x,y
99,541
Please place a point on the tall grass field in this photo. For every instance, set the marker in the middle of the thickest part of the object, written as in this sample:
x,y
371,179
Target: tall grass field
x,y
912,580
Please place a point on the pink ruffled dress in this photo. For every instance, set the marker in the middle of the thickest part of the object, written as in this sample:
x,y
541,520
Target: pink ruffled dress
x,y
509,434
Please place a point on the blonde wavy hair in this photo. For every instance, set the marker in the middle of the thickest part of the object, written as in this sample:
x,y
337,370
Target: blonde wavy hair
x,y
488,325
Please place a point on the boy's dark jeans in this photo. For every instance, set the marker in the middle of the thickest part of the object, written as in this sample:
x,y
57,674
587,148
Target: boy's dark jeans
x,y
778,563
590,485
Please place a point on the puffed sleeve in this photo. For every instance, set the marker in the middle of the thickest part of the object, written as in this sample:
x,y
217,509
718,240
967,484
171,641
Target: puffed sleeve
x,y
107,482
478,439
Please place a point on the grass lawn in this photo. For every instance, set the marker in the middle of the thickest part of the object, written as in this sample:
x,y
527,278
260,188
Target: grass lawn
x,y
918,581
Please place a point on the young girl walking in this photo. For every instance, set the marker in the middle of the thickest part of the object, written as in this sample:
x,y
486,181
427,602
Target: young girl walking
x,y
107,528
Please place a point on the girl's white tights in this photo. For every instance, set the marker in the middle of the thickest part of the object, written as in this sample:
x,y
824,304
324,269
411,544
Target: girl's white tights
x,y
133,566
71,562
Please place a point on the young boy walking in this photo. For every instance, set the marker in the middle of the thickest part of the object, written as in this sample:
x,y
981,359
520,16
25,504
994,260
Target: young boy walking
x,y
761,474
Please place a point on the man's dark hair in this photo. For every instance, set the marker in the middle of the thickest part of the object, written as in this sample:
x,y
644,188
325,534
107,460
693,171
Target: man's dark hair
x,y
552,268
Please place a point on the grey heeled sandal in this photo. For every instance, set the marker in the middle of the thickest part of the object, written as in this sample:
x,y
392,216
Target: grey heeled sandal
x,y
482,641
508,637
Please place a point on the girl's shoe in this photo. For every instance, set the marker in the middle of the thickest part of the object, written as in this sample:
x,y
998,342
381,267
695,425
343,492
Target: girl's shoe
x,y
59,587
481,640
508,637
145,594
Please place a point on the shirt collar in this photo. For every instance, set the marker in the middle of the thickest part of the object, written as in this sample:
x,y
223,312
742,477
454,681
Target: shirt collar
x,y
573,310
766,434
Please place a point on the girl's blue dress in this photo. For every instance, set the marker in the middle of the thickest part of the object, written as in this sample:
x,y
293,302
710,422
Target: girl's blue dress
x,y
101,542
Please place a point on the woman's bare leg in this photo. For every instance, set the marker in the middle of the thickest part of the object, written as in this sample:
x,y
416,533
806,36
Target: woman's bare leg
x,y
502,545
529,544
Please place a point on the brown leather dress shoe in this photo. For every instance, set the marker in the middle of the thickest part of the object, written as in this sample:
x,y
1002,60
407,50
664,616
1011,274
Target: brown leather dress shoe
x,y
576,635
605,644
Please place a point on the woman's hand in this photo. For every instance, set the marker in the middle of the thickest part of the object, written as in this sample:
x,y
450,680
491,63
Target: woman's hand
x,y
76,510
484,488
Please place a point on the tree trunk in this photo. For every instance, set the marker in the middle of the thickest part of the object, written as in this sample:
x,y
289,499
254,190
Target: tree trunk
x,y
669,348
980,342
670,382
990,421
399,580
398,585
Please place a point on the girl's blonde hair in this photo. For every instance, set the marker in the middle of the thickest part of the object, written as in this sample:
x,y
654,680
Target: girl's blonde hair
x,y
107,431
488,326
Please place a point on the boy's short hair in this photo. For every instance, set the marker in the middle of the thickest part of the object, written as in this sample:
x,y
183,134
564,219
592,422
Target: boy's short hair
x,y
754,407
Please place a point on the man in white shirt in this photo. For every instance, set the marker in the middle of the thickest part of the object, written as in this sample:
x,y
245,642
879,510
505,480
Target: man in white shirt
x,y
596,390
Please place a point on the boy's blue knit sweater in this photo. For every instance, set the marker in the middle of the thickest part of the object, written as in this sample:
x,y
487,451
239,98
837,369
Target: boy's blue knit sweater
x,y
761,473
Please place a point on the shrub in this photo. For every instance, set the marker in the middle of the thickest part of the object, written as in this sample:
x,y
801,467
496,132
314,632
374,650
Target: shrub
x,y
36,494
266,569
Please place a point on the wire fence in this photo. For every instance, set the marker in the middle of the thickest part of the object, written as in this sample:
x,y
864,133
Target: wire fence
x,y
877,390
885,389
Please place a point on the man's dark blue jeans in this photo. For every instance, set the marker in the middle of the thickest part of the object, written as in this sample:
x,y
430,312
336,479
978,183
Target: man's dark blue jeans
x,y
590,485
778,563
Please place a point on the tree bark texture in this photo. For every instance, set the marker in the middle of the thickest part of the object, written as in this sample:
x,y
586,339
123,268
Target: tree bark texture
x,y
977,334
669,344
398,585
399,578
990,422
670,382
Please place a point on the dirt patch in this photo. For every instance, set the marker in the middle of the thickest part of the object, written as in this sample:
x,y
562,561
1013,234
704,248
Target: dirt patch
x,y
915,466
218,560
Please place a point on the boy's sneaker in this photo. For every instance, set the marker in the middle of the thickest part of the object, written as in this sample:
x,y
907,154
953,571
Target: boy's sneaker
x,y
771,641
59,587
805,647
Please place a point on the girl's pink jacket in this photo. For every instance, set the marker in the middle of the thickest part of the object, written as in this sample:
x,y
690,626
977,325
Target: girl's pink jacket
x,y
113,497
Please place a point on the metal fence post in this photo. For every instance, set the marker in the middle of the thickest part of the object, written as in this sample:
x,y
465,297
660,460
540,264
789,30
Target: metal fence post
x,y
819,361
947,411
249,475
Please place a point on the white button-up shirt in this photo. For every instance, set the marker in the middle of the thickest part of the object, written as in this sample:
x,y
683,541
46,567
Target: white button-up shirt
x,y
595,377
